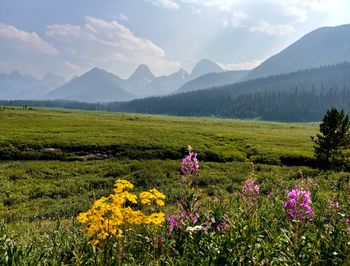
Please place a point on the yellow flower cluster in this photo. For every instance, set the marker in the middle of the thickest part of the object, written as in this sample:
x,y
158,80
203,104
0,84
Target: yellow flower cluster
x,y
153,195
109,214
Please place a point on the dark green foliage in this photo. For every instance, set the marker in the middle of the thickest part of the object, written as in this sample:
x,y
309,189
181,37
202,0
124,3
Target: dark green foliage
x,y
333,139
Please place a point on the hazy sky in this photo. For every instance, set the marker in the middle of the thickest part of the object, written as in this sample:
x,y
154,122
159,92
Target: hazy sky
x,y
69,37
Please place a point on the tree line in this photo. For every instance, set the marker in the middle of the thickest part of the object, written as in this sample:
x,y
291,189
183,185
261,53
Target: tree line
x,y
299,96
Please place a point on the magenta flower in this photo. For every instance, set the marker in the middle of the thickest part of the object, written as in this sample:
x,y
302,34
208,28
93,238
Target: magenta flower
x,y
223,226
194,217
190,164
250,188
299,205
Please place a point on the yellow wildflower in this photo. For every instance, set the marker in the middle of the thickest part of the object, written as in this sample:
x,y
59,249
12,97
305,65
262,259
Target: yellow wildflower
x,y
107,214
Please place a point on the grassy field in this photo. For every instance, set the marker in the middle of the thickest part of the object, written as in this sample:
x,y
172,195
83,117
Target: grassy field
x,y
34,133
88,151
55,163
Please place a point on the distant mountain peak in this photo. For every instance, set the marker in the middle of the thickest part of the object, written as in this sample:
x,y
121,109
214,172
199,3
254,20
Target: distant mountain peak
x,y
142,72
140,78
181,70
16,74
97,70
182,74
205,66
96,85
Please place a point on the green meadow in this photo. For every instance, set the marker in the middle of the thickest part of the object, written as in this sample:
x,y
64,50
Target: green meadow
x,y
56,163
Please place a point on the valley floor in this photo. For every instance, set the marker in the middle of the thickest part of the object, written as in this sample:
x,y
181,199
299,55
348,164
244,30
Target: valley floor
x,y
56,163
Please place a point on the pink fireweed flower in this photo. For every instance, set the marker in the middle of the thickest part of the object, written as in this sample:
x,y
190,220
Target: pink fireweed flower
x,y
190,164
223,226
299,204
250,188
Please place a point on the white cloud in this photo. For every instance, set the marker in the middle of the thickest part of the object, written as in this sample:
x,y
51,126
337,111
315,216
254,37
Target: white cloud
x,y
241,66
108,43
242,20
123,17
27,39
223,5
167,4
321,5
273,30
270,17
63,30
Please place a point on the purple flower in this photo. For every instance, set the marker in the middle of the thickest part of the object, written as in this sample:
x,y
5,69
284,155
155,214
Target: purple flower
x,y
194,217
223,226
299,204
250,188
173,222
190,164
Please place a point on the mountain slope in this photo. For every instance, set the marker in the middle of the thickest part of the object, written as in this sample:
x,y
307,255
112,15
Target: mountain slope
x,y
96,85
166,84
323,46
13,83
203,67
213,80
48,83
228,101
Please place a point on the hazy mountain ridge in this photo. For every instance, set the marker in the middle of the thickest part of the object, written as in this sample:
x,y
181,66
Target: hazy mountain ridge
x,y
142,83
213,80
96,85
203,67
164,85
299,96
250,99
323,46
15,85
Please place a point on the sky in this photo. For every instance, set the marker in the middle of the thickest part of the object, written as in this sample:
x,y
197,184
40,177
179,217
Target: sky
x,y
69,37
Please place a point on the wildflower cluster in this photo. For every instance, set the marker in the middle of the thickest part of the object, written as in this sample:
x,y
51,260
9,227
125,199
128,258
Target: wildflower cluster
x,y
190,218
109,215
299,204
148,197
190,164
250,188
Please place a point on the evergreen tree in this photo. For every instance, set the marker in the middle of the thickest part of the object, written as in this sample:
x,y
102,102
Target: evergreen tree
x,y
333,138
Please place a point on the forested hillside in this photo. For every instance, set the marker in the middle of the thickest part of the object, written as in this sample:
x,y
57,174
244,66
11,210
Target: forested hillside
x,y
299,96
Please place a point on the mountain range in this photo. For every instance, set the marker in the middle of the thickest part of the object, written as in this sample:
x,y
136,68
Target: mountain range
x,y
298,96
18,86
321,47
